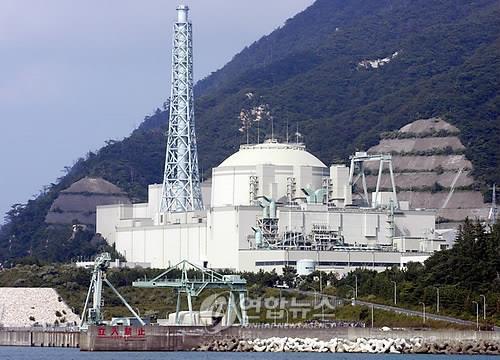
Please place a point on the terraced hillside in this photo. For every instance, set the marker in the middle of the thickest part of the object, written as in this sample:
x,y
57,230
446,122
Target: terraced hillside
x,y
429,161
78,202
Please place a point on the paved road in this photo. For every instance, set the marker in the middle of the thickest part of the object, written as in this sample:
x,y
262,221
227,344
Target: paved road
x,y
399,310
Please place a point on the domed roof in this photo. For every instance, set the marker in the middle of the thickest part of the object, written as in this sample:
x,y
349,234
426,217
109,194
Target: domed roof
x,y
272,153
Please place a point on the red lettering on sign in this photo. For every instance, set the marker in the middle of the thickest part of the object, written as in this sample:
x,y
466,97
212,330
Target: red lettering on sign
x,y
141,332
101,331
128,331
114,331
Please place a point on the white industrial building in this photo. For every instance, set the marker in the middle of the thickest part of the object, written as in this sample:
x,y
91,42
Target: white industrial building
x,y
269,205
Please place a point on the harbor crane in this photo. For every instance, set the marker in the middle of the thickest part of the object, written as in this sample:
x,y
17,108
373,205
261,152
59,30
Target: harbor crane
x,y
93,315
192,283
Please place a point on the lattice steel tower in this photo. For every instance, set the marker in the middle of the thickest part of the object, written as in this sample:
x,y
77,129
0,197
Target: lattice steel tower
x,y
181,183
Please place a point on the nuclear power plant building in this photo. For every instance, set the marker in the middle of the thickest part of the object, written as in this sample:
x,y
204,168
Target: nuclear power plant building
x,y
266,206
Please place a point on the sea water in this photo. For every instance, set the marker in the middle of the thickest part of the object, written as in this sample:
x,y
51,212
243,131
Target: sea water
x,y
37,353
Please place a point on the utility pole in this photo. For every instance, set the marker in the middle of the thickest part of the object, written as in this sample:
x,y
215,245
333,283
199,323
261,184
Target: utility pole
x,y
356,288
437,303
372,316
484,306
423,311
477,314
395,289
321,290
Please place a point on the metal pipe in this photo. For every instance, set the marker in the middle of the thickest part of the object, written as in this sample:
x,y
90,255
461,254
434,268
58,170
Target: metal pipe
x,y
124,302
87,301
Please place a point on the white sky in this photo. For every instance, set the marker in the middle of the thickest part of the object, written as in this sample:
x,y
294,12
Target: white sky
x,y
76,73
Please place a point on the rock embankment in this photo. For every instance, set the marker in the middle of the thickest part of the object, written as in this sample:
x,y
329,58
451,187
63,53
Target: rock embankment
x,y
360,345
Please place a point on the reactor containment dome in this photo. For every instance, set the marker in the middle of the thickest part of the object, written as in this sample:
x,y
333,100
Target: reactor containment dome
x,y
272,153
264,170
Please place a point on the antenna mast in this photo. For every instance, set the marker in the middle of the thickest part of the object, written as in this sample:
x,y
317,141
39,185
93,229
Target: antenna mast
x,y
492,216
181,181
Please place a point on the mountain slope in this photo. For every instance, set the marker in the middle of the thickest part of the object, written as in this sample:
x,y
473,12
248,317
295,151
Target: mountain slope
x,y
315,74
447,66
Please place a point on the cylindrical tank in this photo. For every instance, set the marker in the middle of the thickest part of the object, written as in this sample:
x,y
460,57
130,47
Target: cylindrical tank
x,y
305,267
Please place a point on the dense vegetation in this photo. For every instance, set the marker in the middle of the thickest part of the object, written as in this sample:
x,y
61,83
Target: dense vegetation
x,y
308,71
447,65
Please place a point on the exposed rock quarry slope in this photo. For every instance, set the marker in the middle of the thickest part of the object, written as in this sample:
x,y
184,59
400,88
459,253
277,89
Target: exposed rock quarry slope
x,y
79,201
428,160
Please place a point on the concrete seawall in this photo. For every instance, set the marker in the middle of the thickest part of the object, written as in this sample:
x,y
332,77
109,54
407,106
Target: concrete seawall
x,y
171,338
39,337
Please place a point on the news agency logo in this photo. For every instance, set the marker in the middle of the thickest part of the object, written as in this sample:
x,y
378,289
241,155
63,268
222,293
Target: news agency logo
x,y
219,311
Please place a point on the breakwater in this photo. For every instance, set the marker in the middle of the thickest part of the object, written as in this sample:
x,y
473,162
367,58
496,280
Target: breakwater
x,y
43,337
184,338
415,345
255,338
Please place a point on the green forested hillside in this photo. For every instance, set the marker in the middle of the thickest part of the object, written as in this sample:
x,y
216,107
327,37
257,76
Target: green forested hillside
x,y
308,71
447,65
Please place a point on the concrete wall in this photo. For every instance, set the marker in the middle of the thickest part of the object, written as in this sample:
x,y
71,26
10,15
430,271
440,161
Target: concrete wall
x,y
415,223
229,228
157,338
107,217
164,245
154,199
151,338
230,185
38,337
341,192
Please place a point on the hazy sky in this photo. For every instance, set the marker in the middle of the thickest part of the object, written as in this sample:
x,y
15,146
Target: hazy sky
x,y
76,73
